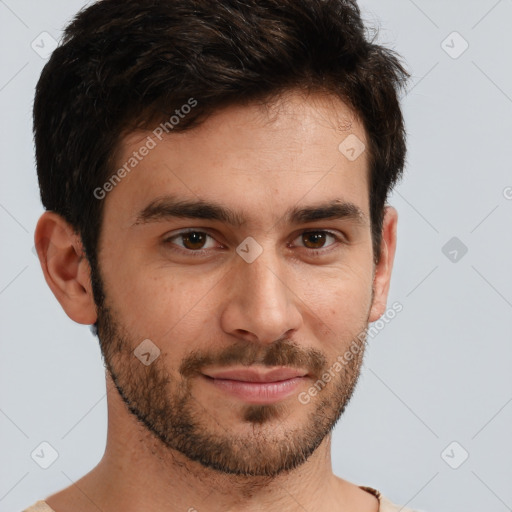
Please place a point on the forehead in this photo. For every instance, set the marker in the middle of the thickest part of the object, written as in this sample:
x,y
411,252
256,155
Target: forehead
x,y
258,157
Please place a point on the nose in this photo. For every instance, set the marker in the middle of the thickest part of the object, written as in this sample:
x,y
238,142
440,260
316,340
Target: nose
x,y
261,304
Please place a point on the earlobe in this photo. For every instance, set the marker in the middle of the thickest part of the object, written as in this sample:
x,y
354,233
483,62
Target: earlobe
x,y
382,277
65,267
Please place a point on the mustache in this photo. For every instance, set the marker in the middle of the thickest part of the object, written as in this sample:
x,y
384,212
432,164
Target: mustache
x,y
283,352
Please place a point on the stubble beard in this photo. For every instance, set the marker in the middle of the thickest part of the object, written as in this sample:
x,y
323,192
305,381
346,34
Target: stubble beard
x,y
168,410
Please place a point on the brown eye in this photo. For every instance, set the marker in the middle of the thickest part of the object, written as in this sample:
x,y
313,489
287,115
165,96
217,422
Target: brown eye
x,y
314,239
318,242
191,242
194,240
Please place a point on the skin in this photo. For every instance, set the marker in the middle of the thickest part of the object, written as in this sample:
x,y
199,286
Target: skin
x,y
260,162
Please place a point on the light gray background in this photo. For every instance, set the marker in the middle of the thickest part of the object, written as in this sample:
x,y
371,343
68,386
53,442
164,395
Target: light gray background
x,y
438,373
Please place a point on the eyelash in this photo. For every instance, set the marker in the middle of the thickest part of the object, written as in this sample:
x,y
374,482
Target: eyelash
x,y
202,252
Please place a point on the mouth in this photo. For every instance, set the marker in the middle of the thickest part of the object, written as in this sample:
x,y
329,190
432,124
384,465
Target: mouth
x,y
257,386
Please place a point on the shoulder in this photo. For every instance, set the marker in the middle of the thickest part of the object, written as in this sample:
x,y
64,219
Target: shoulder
x,y
385,505
39,506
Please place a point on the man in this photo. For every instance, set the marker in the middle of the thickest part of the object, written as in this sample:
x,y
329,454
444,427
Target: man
x,y
215,177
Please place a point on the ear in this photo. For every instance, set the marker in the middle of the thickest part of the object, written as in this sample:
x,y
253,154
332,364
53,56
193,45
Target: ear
x,y
65,267
382,272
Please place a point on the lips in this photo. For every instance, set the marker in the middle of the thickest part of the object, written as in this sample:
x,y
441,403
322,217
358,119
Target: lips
x,y
256,385
256,375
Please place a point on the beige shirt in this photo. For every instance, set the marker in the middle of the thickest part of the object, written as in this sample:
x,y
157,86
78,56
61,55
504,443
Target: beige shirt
x,y
385,504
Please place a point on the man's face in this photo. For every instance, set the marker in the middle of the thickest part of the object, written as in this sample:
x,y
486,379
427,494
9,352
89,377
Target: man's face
x,y
272,291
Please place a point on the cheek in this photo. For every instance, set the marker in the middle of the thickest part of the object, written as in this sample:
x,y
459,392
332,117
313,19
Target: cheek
x,y
160,304
341,308
338,306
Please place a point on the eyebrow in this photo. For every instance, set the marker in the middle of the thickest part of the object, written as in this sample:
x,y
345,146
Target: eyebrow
x,y
169,207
